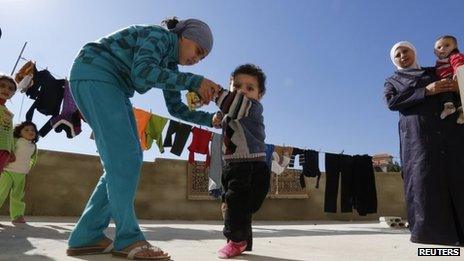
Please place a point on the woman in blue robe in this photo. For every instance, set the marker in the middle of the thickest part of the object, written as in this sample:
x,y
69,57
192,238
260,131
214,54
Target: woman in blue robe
x,y
431,150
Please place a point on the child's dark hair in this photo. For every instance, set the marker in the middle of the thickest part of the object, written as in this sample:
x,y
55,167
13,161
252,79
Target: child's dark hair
x,y
448,37
4,77
19,127
253,70
170,22
452,38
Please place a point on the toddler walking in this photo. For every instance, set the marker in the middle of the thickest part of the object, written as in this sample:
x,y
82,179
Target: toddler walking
x,y
245,176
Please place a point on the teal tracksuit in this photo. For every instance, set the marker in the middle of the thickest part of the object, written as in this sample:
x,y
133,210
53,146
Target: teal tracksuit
x,y
104,76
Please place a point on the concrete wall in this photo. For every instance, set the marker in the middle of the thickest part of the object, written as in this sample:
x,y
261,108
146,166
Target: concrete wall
x,y
61,184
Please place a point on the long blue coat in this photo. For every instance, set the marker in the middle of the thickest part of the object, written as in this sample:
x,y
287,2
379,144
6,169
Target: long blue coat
x,y
432,157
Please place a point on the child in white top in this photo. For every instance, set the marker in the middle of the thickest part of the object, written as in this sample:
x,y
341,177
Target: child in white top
x,y
13,177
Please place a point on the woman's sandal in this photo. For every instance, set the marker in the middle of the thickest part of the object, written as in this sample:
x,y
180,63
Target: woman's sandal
x,y
90,250
132,254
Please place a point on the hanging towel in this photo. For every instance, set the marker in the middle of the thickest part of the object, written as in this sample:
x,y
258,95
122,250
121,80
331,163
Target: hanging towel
x,y
154,131
215,169
182,132
200,144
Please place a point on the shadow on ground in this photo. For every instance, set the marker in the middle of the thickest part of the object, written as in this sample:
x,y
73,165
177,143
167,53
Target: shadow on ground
x,y
15,241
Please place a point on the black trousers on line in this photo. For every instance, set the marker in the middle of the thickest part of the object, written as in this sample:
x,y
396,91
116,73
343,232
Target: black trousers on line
x,y
182,132
336,165
364,196
246,185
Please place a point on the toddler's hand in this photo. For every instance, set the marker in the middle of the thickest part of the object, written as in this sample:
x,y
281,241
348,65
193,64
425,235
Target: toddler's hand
x,y
217,120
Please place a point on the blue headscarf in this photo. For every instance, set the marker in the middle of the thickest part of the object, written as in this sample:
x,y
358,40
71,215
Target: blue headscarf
x,y
197,31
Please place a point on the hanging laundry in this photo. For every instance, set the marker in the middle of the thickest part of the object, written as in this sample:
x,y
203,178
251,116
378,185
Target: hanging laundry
x,y
284,151
279,165
25,83
358,189
337,165
68,120
364,189
200,144
47,93
280,159
269,151
24,77
296,153
182,132
142,118
309,160
301,160
215,169
153,132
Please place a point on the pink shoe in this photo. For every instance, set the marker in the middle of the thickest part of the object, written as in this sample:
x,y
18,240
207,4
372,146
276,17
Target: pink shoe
x,y
232,249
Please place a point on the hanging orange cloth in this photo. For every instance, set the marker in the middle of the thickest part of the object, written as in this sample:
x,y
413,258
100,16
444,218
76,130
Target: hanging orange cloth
x,y
141,117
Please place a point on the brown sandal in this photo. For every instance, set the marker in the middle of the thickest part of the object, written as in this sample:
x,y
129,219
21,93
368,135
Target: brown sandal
x,y
90,250
136,250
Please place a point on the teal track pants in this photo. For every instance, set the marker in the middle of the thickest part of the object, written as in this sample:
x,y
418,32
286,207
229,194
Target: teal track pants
x,y
109,113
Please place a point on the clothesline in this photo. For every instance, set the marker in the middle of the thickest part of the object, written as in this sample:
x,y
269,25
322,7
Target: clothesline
x,y
59,76
22,99
42,68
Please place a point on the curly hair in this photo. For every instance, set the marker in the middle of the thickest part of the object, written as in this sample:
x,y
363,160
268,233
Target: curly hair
x,y
18,128
253,70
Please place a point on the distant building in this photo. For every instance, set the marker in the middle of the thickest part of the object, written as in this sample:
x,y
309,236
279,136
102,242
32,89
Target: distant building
x,y
382,162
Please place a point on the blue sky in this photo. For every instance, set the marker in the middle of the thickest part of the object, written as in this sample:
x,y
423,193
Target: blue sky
x,y
326,61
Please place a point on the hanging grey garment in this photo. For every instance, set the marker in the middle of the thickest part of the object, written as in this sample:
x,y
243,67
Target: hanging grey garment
x,y
215,168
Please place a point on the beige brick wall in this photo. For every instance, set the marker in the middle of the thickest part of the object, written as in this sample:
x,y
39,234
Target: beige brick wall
x,y
61,183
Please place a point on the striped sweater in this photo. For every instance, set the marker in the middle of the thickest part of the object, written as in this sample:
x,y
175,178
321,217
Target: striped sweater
x,y
242,127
